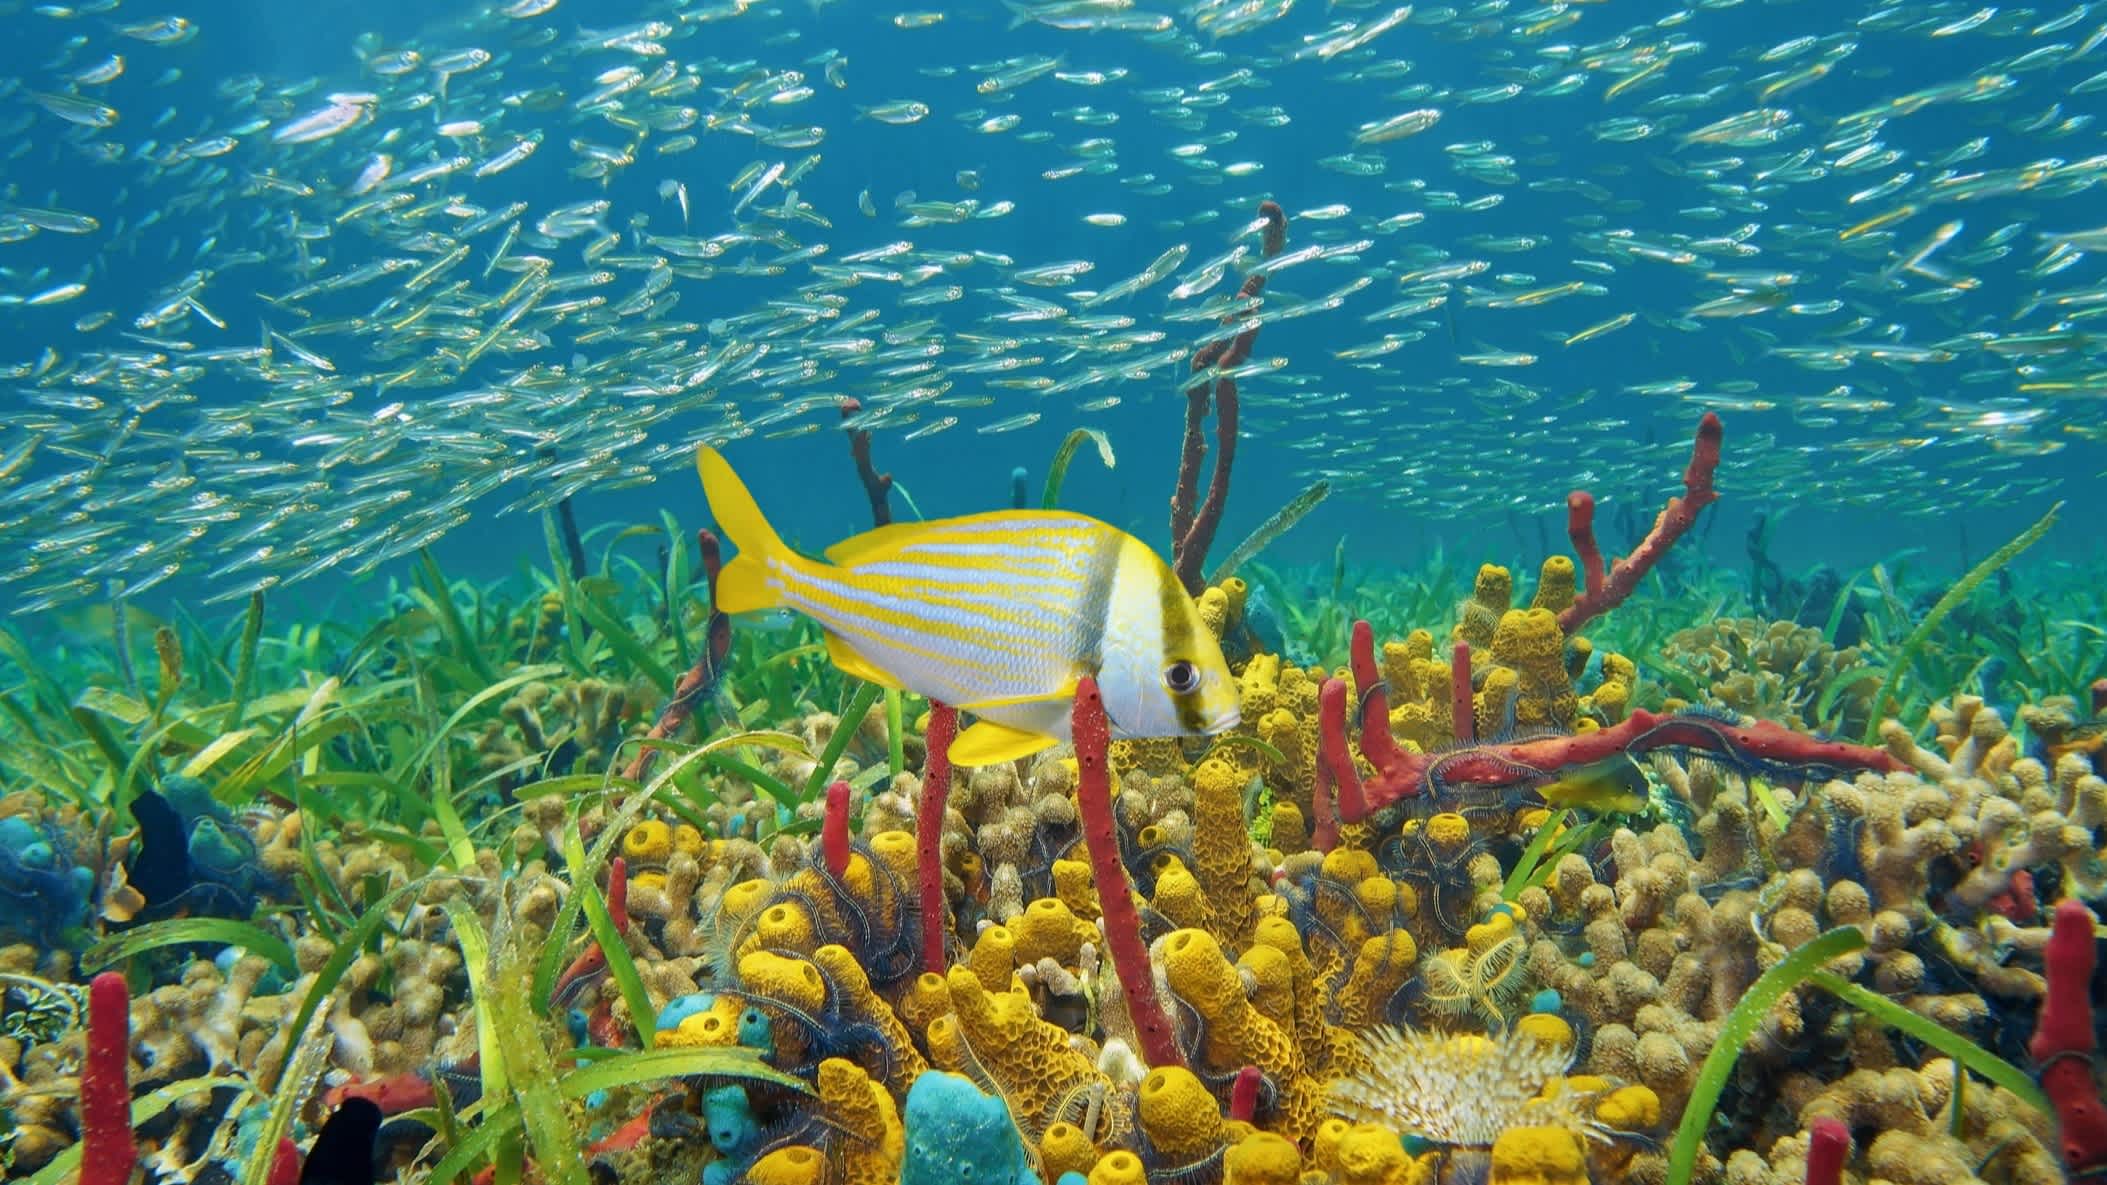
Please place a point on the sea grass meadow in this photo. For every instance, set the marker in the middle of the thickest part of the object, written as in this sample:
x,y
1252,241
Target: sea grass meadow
x,y
1604,678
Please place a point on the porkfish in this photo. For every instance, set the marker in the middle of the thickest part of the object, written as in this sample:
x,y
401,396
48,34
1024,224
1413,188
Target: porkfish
x,y
996,614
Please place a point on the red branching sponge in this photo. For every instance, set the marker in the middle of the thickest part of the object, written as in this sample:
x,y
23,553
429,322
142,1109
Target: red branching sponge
x,y
834,829
1194,521
1115,896
1332,757
929,832
1828,1142
1461,716
1601,593
108,1152
1401,773
1243,1093
2064,1043
285,1164
1335,768
1378,744
700,679
618,893
876,486
592,961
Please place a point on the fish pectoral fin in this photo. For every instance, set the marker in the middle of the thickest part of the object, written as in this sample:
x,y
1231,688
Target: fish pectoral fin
x,y
1063,693
989,743
848,662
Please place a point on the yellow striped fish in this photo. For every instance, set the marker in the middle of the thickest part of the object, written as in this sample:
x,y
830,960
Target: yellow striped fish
x,y
997,614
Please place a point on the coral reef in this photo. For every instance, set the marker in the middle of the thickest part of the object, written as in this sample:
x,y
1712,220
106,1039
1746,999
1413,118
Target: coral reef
x,y
1473,903
1776,670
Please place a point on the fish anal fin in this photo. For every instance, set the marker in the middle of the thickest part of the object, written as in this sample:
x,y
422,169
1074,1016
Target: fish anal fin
x,y
989,743
848,662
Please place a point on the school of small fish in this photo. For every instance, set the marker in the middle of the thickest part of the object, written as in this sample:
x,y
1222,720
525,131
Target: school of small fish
x,y
261,328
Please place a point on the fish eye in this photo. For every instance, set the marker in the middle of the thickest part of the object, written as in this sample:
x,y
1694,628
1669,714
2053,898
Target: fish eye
x,y
1183,678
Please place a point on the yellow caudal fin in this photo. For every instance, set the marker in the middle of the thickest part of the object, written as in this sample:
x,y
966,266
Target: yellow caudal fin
x,y
989,743
742,587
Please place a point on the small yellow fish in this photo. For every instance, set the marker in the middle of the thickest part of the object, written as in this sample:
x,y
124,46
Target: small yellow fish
x,y
1614,785
998,614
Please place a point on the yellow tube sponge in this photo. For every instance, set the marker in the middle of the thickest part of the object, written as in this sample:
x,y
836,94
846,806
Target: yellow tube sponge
x,y
1213,605
1384,966
1238,1035
1629,1109
1182,1120
863,1111
1489,704
795,1165
1280,728
783,926
1072,884
1029,1058
1237,592
1492,594
1371,1155
1259,686
1538,1156
1448,831
716,1025
1324,1145
896,851
744,900
1262,1158
1180,898
1063,1148
926,999
1272,984
1048,929
1556,585
858,999
1221,848
793,982
648,843
993,958
1119,1168
1530,642
1290,833
1313,1035
1548,1027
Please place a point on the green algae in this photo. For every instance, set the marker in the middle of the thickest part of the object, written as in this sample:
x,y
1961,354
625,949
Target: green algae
x,y
1960,592
846,726
1964,1052
145,1109
1057,471
620,967
296,1078
1263,535
121,947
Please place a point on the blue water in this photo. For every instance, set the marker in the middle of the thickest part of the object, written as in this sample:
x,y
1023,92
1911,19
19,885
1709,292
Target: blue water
x,y
1461,423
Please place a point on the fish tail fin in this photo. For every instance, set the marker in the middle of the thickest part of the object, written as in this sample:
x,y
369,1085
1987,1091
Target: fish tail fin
x,y
744,584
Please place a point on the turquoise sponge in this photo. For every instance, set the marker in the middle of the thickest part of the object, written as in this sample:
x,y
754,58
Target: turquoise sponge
x,y
955,1133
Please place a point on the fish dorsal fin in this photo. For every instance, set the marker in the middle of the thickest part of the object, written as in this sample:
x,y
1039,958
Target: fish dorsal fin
x,y
874,544
884,542
989,743
848,662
